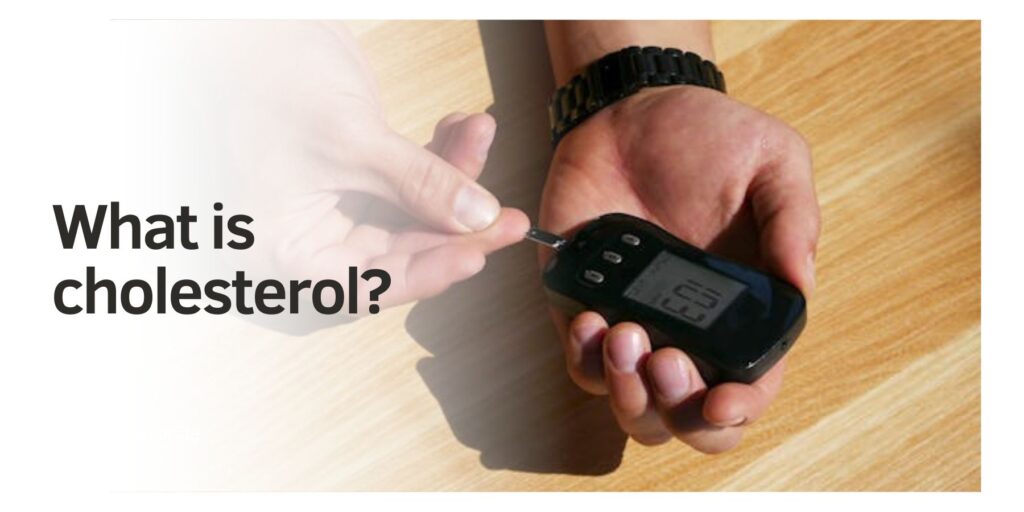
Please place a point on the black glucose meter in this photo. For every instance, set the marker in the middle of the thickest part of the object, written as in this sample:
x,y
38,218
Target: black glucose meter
x,y
734,321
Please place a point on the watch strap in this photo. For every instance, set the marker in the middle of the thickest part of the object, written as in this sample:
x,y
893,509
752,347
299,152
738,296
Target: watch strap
x,y
622,73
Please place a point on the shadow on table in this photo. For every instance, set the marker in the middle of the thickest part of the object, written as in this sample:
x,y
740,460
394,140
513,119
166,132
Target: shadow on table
x,y
497,369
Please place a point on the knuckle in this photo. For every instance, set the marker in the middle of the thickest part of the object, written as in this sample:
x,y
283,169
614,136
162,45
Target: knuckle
x,y
815,223
788,134
450,119
423,180
798,140
782,139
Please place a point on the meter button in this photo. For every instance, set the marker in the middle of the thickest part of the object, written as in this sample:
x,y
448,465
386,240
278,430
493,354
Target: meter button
x,y
631,239
612,257
593,276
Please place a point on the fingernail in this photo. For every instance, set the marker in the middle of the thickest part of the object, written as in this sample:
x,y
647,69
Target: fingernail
x,y
810,272
670,378
734,421
484,144
475,208
625,350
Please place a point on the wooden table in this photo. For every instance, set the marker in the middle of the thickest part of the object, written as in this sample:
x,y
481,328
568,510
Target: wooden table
x,y
468,390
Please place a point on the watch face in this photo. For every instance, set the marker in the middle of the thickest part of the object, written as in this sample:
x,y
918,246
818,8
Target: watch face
x,y
684,290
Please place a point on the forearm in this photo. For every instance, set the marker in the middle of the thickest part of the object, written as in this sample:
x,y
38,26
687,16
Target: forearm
x,y
575,44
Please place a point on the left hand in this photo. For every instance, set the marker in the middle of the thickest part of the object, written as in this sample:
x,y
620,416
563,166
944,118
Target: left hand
x,y
308,153
716,173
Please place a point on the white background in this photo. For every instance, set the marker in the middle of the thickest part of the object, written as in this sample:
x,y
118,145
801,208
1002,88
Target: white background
x,y
59,116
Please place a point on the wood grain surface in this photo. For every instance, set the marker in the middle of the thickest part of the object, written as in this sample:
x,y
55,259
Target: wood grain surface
x,y
467,391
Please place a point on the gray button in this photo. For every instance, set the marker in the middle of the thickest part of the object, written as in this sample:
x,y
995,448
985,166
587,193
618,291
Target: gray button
x,y
612,257
631,239
593,276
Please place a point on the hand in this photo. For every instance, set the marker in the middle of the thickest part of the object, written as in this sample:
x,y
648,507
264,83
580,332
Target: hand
x,y
331,184
716,173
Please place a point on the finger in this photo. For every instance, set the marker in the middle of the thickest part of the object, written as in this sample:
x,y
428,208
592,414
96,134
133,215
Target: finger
x,y
468,144
430,271
679,393
425,274
416,272
786,210
374,240
584,358
626,348
412,276
732,404
427,271
510,228
442,131
432,189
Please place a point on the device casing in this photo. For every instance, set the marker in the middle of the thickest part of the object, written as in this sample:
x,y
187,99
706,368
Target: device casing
x,y
743,343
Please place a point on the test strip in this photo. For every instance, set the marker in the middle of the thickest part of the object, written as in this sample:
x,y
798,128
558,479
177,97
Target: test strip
x,y
544,238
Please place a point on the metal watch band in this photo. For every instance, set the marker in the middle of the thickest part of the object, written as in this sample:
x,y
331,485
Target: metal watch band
x,y
622,73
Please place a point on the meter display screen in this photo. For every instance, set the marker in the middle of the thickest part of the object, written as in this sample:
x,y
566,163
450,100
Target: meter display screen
x,y
684,290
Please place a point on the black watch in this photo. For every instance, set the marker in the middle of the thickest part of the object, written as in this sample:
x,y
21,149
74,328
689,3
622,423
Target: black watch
x,y
622,73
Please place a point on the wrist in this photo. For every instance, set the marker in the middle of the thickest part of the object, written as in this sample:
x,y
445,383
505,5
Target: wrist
x,y
622,73
574,45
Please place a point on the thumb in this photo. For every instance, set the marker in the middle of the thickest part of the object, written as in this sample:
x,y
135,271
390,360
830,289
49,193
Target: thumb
x,y
432,189
787,214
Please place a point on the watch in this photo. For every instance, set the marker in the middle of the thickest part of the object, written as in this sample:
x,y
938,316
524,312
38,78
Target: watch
x,y
622,73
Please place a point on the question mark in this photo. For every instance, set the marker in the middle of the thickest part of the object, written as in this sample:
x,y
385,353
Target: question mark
x,y
385,283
